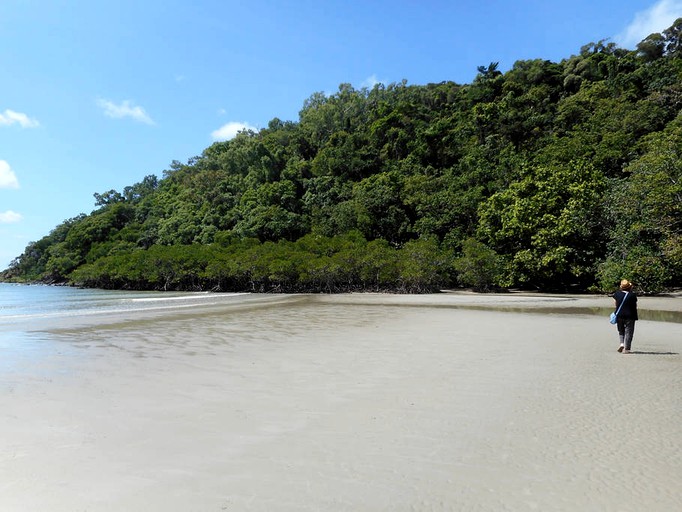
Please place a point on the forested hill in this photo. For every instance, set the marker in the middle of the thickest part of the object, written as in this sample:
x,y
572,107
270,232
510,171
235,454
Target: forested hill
x,y
551,176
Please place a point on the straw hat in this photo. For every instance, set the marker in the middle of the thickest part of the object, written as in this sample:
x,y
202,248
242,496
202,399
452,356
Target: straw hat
x,y
625,285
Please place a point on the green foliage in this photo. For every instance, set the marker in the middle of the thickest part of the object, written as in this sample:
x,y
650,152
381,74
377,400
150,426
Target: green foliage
x,y
638,266
479,267
423,266
646,216
550,176
312,264
547,224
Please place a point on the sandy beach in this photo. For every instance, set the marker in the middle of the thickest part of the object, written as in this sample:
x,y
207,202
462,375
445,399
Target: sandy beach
x,y
359,402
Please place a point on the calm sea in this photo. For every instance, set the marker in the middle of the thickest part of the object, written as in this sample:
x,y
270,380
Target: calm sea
x,y
35,301
33,316
28,307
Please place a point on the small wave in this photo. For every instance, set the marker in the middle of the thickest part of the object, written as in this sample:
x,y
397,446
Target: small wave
x,y
112,307
197,296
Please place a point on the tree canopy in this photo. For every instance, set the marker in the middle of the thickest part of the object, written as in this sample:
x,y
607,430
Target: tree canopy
x,y
553,176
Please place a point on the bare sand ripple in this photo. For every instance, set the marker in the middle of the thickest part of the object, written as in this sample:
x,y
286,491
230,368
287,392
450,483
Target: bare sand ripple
x,y
348,403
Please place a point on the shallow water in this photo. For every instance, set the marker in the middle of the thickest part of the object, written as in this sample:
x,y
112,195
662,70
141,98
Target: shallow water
x,y
25,304
644,314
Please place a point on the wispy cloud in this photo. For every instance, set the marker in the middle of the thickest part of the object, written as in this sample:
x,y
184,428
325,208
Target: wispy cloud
x,y
370,82
10,217
125,109
655,19
10,117
7,177
230,130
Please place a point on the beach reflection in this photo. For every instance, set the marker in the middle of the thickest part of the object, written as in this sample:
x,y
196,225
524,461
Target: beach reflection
x,y
644,314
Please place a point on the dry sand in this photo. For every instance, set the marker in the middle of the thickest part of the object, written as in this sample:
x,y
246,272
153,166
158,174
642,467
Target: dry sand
x,y
349,403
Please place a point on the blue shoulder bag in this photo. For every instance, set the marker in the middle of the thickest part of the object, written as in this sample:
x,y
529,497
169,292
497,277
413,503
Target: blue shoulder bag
x,y
614,316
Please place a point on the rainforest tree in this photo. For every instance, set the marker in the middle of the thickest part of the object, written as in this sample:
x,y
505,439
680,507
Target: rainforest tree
x,y
551,175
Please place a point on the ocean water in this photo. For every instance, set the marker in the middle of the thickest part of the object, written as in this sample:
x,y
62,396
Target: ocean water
x,y
30,315
40,323
30,308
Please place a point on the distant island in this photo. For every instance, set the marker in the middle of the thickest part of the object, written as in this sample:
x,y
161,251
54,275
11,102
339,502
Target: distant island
x,y
551,176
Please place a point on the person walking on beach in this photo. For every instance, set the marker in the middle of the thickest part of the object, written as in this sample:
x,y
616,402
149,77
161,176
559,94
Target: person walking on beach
x,y
627,316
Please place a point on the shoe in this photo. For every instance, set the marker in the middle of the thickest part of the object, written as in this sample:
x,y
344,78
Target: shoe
x,y
626,352
620,349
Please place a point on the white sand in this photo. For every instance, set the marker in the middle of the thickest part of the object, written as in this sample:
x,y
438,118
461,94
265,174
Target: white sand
x,y
348,403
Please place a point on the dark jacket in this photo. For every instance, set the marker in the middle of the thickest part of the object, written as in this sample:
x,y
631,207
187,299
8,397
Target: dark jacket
x,y
629,309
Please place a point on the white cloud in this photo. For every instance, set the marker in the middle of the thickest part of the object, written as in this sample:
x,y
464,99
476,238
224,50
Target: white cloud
x,y
229,131
10,217
370,82
10,117
7,177
124,109
657,18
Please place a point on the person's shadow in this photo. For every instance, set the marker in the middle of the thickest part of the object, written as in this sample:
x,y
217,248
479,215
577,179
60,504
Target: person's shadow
x,y
643,353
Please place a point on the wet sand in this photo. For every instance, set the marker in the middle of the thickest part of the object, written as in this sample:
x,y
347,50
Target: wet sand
x,y
348,403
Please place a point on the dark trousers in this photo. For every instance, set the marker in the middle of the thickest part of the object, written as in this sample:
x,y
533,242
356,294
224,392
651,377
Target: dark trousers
x,y
626,330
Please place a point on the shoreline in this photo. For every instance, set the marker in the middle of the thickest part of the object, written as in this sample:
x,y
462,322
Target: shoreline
x,y
672,293
658,309
358,402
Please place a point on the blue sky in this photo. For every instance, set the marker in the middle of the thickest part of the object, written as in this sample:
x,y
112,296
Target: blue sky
x,y
95,95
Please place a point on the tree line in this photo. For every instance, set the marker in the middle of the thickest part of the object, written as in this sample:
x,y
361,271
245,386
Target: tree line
x,y
550,176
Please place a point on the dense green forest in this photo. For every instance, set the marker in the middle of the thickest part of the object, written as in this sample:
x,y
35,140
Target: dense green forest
x,y
551,176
